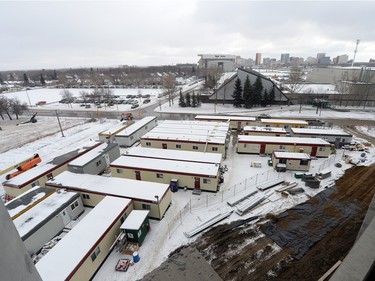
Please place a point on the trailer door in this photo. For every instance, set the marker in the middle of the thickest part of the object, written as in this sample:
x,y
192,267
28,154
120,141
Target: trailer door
x,y
262,149
197,183
164,145
137,175
314,150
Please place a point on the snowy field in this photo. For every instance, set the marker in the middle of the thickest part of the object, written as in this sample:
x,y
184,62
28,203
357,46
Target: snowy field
x,y
189,211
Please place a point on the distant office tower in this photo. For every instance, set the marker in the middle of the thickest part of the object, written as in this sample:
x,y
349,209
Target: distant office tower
x,y
258,59
342,59
284,58
320,55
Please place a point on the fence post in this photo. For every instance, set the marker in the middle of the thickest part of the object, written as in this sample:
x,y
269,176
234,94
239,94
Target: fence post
x,y
190,205
222,195
206,200
180,217
256,179
245,183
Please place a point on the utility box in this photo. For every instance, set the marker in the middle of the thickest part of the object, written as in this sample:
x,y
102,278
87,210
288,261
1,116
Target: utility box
x,y
136,226
173,185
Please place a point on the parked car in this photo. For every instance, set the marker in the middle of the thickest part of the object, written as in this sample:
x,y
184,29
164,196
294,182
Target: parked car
x,y
135,105
147,101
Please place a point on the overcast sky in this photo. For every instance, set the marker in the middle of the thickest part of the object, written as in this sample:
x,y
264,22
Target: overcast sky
x,y
59,34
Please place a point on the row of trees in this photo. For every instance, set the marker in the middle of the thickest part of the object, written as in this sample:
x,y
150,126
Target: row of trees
x,y
11,106
252,95
97,95
189,100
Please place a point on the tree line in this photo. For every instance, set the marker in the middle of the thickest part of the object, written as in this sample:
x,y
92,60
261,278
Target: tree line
x,y
189,100
11,107
252,94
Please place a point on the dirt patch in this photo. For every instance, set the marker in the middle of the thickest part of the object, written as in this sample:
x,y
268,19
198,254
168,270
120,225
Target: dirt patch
x,y
322,234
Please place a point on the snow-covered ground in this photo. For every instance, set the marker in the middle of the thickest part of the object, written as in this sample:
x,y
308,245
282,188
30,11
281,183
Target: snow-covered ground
x,y
187,210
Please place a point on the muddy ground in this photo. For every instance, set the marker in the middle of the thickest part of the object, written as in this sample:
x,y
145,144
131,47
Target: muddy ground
x,y
246,253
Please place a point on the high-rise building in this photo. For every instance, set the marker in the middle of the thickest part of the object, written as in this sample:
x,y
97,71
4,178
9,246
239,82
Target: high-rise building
x,y
342,59
320,55
284,58
258,59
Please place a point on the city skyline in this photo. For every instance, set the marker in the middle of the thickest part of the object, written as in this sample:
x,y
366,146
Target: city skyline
x,y
64,34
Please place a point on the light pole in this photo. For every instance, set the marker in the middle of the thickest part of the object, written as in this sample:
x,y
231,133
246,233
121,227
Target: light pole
x,y
27,94
157,201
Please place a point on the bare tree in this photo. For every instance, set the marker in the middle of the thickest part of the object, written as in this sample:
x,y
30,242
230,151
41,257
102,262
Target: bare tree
x,y
84,96
169,85
295,81
212,77
17,107
5,107
344,85
67,96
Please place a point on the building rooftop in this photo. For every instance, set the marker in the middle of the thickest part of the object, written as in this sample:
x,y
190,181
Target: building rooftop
x,y
291,155
184,138
134,220
264,129
178,155
264,139
92,154
136,126
65,258
326,132
132,189
164,165
225,117
284,121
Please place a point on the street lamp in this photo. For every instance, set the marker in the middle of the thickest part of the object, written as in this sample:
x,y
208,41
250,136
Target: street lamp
x,y
157,201
27,94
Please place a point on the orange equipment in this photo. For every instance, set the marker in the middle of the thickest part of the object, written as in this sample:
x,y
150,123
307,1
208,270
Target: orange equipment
x,y
25,166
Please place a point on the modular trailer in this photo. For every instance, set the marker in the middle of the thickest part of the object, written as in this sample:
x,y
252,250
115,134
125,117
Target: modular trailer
x,y
264,131
283,123
266,145
82,251
292,160
185,142
47,219
42,173
155,197
204,176
134,132
235,122
333,136
95,161
178,155
24,202
110,134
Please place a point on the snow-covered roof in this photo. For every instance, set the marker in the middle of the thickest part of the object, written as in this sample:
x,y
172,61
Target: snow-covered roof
x,y
224,125
133,189
192,127
134,220
45,167
326,132
26,199
76,245
181,155
184,138
33,217
136,126
315,88
291,155
190,131
92,154
264,129
269,139
115,129
283,121
224,118
168,166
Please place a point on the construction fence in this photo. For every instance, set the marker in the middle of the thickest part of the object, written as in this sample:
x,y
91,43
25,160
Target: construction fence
x,y
204,201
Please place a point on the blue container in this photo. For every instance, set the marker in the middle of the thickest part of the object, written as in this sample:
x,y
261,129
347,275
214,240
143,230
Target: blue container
x,y
136,257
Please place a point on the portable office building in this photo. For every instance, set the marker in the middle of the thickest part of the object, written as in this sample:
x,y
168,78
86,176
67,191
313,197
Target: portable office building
x,y
136,226
178,155
24,202
82,251
95,161
110,134
185,142
134,132
264,131
41,173
204,176
266,145
155,197
291,160
235,122
47,219
283,123
333,136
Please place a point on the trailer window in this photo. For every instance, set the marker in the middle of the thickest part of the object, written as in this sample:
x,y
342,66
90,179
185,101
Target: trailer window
x,y
214,149
146,207
85,196
207,181
130,235
74,205
95,254
304,162
159,176
119,171
35,183
322,148
178,145
148,143
195,147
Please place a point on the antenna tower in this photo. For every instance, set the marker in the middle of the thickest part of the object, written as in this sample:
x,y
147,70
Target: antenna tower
x,y
355,51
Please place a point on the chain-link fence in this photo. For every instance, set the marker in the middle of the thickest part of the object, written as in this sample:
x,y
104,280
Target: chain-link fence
x,y
328,162
204,201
